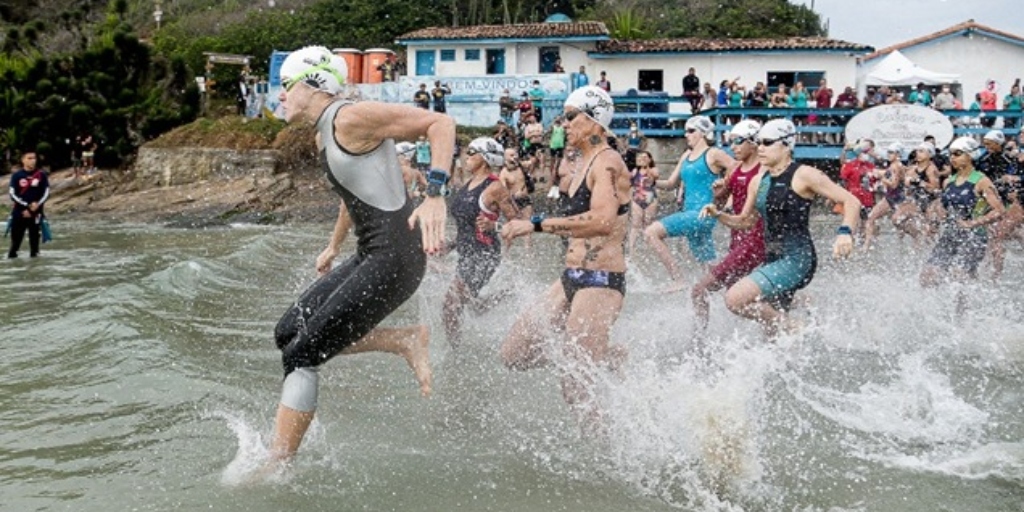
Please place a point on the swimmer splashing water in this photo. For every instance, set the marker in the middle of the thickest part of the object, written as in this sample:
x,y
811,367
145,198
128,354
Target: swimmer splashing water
x,y
586,301
782,196
338,314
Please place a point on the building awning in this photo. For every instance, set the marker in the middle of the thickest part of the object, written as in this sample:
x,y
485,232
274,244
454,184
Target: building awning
x,y
897,69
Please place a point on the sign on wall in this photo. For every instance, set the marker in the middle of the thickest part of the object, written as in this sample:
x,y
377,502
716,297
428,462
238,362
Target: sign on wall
x,y
906,124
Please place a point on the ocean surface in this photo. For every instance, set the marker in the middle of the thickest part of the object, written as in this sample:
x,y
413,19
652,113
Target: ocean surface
x,y
138,373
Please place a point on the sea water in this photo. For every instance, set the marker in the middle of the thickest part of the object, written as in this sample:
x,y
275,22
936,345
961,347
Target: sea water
x,y
139,372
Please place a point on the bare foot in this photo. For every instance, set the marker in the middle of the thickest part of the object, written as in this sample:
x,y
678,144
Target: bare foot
x,y
417,354
676,287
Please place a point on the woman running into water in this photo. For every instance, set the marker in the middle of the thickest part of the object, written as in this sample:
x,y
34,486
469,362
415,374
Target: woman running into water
x,y
645,197
475,208
339,313
891,179
746,248
969,202
585,302
921,186
782,196
698,168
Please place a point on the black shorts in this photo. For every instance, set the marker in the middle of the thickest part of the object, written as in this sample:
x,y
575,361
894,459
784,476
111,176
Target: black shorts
x,y
576,279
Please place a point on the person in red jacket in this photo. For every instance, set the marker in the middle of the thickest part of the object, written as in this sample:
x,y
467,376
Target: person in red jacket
x,y
856,174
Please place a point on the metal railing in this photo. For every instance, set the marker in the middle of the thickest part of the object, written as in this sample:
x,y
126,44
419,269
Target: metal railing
x,y
821,130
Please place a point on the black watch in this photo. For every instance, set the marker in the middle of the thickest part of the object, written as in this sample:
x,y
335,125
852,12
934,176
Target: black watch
x,y
537,220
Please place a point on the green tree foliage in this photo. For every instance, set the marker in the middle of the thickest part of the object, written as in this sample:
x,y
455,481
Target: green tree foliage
x,y
714,19
116,89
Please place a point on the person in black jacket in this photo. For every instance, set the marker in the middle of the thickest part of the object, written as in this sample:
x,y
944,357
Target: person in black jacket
x,y
29,190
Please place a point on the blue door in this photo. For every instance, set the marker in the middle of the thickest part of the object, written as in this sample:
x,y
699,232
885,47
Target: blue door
x,y
496,61
424,62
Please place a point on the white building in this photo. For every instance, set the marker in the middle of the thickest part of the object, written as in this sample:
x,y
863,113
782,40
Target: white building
x,y
500,51
975,52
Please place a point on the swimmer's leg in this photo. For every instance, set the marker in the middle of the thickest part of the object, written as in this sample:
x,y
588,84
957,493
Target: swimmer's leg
x,y
299,394
412,343
655,235
588,331
745,299
522,348
451,313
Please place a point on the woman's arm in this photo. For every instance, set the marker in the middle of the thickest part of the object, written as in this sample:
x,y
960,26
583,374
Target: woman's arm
x,y
810,180
747,217
341,229
988,191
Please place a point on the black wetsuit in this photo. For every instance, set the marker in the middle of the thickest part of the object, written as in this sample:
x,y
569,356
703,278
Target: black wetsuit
x,y
479,251
576,279
997,165
347,303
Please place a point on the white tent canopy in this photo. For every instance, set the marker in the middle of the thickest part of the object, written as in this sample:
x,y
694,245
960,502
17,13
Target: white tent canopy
x,y
897,69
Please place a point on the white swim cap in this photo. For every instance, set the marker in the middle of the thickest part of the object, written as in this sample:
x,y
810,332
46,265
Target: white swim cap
x,y
702,124
490,149
746,129
317,67
779,129
927,146
895,147
405,149
965,144
594,102
995,136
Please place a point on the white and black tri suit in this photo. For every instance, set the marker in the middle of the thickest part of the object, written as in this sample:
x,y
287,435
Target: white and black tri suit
x,y
347,303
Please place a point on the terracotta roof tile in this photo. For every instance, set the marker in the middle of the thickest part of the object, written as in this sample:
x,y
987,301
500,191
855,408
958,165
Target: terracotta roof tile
x,y
693,44
594,29
967,25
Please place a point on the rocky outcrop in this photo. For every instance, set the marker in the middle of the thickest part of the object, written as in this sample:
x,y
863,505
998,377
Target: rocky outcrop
x,y
161,167
196,187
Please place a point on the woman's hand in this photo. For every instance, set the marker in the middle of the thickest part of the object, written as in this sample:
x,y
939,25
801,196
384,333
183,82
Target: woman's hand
x,y
709,211
843,246
432,216
325,260
515,228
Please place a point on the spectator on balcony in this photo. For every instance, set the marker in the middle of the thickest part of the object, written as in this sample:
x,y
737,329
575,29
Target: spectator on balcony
x,y
781,98
847,99
691,91
758,96
708,97
945,100
798,97
557,68
920,96
1013,102
822,99
872,98
604,83
722,99
581,79
987,102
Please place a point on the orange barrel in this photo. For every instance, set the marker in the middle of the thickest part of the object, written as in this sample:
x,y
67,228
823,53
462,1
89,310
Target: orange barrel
x,y
372,59
354,60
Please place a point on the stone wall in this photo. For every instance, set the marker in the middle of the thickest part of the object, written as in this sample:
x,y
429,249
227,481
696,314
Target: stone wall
x,y
164,167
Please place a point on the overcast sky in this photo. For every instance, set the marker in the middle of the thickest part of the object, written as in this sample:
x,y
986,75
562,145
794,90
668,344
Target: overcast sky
x,y
882,23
